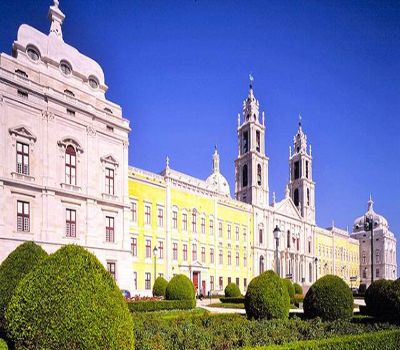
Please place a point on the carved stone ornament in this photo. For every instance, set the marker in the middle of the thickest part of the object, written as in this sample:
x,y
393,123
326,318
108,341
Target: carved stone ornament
x,y
22,131
91,131
109,159
46,115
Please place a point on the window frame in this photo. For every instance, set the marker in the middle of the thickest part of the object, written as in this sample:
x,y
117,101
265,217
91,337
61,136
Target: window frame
x,y
110,229
24,216
22,167
70,223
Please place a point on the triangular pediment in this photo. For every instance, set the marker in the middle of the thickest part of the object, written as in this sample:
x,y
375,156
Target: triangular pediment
x,y
287,207
109,159
22,131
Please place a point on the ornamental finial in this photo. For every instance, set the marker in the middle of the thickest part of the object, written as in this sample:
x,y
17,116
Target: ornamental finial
x,y
300,118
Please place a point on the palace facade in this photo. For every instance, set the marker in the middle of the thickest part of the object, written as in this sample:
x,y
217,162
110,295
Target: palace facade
x,y
64,178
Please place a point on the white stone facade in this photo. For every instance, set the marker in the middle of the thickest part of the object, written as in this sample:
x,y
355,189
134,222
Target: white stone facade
x,y
52,99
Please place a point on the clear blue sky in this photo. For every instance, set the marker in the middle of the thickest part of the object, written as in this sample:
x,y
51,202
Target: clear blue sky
x,y
180,71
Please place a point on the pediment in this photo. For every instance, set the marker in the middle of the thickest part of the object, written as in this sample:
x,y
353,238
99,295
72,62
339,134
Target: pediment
x,y
66,141
287,207
22,131
109,159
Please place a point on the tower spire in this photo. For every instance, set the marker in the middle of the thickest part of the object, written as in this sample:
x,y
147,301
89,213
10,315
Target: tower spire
x,y
56,18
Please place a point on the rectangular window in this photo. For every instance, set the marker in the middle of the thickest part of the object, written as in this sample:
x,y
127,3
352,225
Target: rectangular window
x,y
203,225
70,223
220,229
147,215
237,281
221,257
229,231
175,251
298,243
111,268
134,246
229,258
237,259
244,259
245,283
185,252
110,229
160,217
220,283
184,222
211,226
203,255
211,255
261,235
309,246
161,250
296,170
194,222
245,142
212,282
229,280
148,248
175,219
135,280
23,216
22,158
258,141
134,211
147,280
377,273
109,181
194,252
307,169
244,234
237,232
70,165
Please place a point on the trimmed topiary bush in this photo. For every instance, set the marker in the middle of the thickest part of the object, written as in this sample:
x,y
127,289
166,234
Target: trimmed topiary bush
x,y
3,345
329,298
159,287
232,291
180,288
69,302
267,297
289,286
297,288
13,269
379,299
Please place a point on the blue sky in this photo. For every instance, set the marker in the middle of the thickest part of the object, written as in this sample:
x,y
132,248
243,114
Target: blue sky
x,y
180,71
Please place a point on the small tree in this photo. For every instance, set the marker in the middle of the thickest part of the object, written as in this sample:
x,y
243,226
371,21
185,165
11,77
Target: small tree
x,y
180,287
69,302
267,297
159,287
378,299
329,298
289,286
232,291
13,269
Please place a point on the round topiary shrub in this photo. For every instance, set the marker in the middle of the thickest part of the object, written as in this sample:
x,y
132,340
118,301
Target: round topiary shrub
x,y
329,298
3,345
232,291
379,299
13,269
180,288
297,288
159,287
267,297
289,286
69,302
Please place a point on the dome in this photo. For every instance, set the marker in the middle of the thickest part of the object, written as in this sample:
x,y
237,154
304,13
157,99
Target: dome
x,y
379,220
218,181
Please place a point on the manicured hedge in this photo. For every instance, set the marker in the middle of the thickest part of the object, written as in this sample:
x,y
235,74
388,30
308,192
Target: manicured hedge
x,y
3,345
329,298
289,286
378,299
383,340
180,288
159,287
298,289
69,302
232,291
13,269
146,306
267,297
238,300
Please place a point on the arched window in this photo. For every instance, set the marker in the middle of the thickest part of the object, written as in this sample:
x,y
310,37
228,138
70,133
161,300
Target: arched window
x,y
70,165
261,235
296,197
244,175
259,174
261,264
288,239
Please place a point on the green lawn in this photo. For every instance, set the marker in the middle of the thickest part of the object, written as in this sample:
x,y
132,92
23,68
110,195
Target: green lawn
x,y
227,305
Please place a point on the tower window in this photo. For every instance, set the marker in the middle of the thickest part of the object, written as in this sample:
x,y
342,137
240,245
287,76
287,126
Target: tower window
x,y
245,142
258,141
259,174
308,196
244,175
307,169
296,197
296,170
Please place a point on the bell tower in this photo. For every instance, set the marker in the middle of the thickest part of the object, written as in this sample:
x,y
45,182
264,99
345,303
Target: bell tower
x,y
301,184
251,166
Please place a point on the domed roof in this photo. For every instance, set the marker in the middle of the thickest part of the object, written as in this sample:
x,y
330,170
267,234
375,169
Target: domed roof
x,y
379,220
216,179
